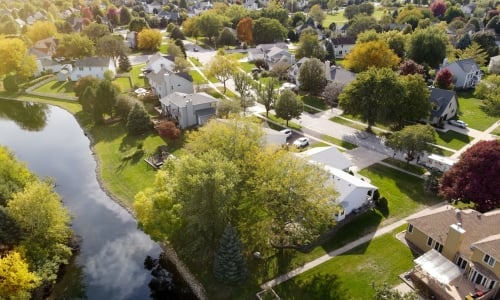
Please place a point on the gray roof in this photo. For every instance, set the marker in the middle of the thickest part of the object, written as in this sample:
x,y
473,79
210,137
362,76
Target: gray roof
x,y
267,47
441,98
467,65
93,62
342,75
179,99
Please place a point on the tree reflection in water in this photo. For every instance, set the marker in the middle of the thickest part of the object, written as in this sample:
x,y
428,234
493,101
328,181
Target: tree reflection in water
x,y
28,115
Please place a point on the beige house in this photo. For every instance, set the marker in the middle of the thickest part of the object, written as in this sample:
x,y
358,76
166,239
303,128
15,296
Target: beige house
x,y
468,244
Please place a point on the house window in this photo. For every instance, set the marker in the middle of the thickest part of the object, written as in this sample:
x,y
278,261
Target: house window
x,y
489,260
462,263
438,247
80,68
492,284
410,228
429,241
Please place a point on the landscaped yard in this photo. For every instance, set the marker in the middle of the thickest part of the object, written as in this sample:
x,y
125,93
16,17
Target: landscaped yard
x,y
57,87
452,139
417,170
136,80
314,101
470,111
351,275
123,83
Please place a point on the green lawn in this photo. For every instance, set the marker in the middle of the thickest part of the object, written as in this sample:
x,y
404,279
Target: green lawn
x,y
195,61
314,101
197,78
339,19
57,87
274,118
338,142
354,125
126,174
246,66
351,275
136,80
471,112
441,152
496,131
452,139
417,170
123,83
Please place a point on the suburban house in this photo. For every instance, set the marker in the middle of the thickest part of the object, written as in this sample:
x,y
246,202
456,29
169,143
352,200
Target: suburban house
x,y
444,106
343,29
343,45
261,50
466,73
494,65
468,9
131,39
462,252
158,61
188,110
339,74
46,65
44,48
329,156
251,4
64,72
293,71
353,192
309,23
92,66
165,82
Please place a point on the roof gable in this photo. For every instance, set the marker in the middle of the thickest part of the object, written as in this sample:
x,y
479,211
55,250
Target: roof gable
x,y
440,99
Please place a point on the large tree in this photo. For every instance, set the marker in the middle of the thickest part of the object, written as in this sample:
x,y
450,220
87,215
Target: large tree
x,y
332,92
45,224
266,94
267,30
41,30
288,106
96,31
413,140
106,94
15,58
110,46
312,76
210,24
367,96
149,39
17,280
371,54
14,176
475,177
317,13
428,46
244,30
309,46
489,90
138,120
75,46
222,68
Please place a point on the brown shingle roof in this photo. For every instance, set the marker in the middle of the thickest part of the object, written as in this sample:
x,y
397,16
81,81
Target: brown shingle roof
x,y
477,228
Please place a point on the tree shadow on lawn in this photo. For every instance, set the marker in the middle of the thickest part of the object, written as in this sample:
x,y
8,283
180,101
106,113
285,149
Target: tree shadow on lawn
x,y
320,286
66,86
451,135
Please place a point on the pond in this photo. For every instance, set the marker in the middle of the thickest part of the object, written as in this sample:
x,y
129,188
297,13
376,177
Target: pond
x,y
110,264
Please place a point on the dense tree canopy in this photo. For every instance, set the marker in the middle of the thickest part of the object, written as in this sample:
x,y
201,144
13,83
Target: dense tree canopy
x,y
489,90
17,281
41,30
310,46
312,76
428,46
288,106
209,24
75,46
228,178
149,39
267,30
222,68
371,54
15,58
475,177
413,140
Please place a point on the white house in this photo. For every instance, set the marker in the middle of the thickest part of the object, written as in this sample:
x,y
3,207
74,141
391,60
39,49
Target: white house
x,y
261,51
92,66
444,105
494,65
165,82
329,156
354,192
158,61
466,73
343,45
188,109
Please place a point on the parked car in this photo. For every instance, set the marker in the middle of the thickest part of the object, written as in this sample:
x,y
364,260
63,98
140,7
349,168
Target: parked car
x,y
458,123
195,49
287,132
301,142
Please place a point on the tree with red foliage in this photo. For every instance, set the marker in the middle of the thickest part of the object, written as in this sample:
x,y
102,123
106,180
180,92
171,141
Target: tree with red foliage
x,y
113,15
86,13
410,67
244,30
475,177
168,130
444,79
438,8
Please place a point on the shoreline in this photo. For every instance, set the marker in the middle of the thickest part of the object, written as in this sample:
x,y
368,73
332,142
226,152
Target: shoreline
x,y
194,284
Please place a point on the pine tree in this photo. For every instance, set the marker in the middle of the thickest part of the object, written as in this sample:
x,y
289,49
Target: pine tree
x,y
180,44
229,263
124,63
138,120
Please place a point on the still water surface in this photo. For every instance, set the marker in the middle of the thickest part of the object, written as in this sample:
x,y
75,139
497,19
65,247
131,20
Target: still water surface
x,y
52,144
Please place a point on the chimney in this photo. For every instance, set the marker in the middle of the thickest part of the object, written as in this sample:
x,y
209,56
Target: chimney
x,y
453,241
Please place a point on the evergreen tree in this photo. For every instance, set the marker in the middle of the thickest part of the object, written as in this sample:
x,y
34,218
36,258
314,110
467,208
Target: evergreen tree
x,y
124,63
87,99
229,263
138,120
177,34
464,42
180,44
105,100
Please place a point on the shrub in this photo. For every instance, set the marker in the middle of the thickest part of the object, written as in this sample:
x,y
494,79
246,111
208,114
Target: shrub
x,y
124,105
168,130
10,83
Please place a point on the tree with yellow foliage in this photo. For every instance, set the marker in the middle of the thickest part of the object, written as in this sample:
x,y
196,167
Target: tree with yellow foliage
x,y
15,58
149,39
41,30
16,281
371,54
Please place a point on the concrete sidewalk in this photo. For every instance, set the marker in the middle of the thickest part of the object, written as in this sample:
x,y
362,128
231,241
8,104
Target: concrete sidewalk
x,y
330,255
